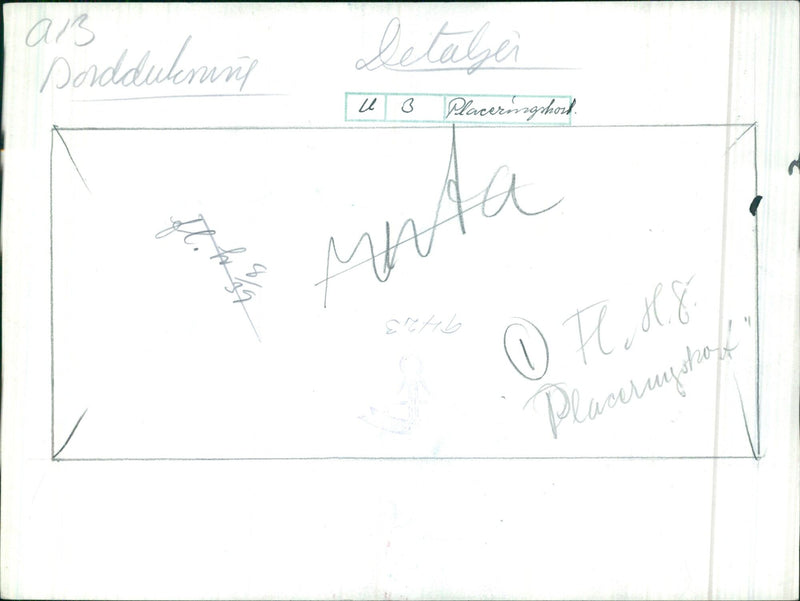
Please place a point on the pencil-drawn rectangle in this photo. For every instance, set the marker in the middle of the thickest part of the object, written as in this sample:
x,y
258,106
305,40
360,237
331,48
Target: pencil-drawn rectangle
x,y
260,293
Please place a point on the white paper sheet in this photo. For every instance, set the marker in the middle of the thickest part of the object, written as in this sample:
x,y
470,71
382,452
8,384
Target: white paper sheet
x,y
400,301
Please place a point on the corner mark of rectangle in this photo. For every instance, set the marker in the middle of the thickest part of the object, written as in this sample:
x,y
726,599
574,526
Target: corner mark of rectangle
x,y
71,158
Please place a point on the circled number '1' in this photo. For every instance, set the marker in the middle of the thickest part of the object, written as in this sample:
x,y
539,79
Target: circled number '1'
x,y
526,349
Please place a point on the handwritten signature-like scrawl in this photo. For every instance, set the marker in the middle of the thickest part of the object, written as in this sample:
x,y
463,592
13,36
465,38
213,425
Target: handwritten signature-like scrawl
x,y
451,189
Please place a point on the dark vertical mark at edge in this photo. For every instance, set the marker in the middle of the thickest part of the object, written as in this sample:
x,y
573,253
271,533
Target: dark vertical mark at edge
x,y
793,164
754,205
75,427
52,356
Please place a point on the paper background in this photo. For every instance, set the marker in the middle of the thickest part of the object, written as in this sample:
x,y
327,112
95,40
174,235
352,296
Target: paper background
x,y
391,528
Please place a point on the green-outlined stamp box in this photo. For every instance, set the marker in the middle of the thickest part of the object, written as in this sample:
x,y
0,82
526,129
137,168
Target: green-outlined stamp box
x,y
364,107
414,108
473,109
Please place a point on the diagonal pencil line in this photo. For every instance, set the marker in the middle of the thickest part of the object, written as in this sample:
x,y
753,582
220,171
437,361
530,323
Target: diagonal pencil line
x,y
74,164
525,352
230,277
752,125
66,442
744,417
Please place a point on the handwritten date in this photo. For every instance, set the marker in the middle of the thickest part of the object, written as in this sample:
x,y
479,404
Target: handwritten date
x,y
242,288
